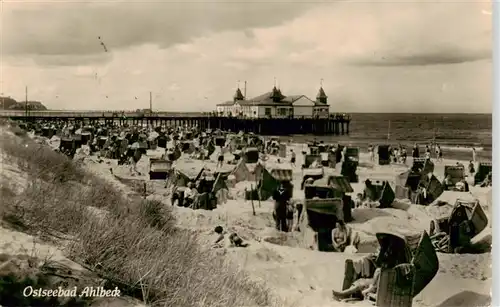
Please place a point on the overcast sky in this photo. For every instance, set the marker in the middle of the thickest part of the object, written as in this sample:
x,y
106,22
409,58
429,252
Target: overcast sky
x,y
398,56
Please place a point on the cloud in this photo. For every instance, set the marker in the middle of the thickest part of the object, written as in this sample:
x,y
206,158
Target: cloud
x,y
72,29
436,58
373,56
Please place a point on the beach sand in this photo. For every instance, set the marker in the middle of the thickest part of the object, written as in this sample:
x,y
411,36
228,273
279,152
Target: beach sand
x,y
305,277
299,276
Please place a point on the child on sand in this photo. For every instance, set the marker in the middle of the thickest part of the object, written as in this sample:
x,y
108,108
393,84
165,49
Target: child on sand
x,y
220,238
234,239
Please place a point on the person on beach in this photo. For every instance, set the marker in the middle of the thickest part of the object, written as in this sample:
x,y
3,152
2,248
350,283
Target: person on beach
x,y
281,198
292,159
403,155
236,241
487,182
415,151
472,170
220,158
427,152
439,154
190,194
473,154
358,202
371,150
340,236
220,236
447,183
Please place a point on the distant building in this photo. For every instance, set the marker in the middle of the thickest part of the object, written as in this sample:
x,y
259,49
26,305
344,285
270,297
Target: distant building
x,y
275,104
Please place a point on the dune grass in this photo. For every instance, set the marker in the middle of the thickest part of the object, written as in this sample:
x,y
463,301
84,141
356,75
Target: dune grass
x,y
133,244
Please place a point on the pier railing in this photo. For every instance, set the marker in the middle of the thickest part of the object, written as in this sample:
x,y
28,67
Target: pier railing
x,y
337,124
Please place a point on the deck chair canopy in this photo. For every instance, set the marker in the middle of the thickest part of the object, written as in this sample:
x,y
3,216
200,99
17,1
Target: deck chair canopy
x,y
282,174
408,245
352,152
317,171
456,172
408,179
160,165
340,183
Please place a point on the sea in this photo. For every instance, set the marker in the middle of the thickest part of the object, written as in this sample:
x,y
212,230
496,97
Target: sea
x,y
456,134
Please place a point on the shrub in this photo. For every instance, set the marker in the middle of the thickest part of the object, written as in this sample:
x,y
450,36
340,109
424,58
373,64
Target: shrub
x,y
133,244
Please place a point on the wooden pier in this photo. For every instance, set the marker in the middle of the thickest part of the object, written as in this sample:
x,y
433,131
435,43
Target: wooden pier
x,y
334,125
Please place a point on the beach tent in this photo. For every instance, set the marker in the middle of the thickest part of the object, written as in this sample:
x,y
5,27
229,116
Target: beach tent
x,y
241,172
178,179
381,192
266,185
219,184
257,171
433,187
317,220
456,173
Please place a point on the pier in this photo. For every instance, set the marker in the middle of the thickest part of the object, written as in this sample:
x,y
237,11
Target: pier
x,y
334,125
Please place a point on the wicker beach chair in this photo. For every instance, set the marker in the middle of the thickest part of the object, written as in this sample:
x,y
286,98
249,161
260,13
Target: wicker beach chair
x,y
419,264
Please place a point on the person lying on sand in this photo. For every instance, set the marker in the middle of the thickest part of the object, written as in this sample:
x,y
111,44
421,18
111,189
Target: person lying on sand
x,y
487,181
366,286
234,239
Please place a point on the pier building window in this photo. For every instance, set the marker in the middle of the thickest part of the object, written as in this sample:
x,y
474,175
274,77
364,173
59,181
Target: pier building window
x,y
282,112
267,111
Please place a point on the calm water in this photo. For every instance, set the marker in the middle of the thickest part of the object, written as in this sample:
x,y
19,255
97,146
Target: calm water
x,y
450,130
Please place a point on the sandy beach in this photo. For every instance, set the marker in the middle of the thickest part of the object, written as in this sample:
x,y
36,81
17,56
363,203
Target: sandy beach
x,y
304,277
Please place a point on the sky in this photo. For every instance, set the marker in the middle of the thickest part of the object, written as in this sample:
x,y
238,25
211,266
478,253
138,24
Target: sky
x,y
372,56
